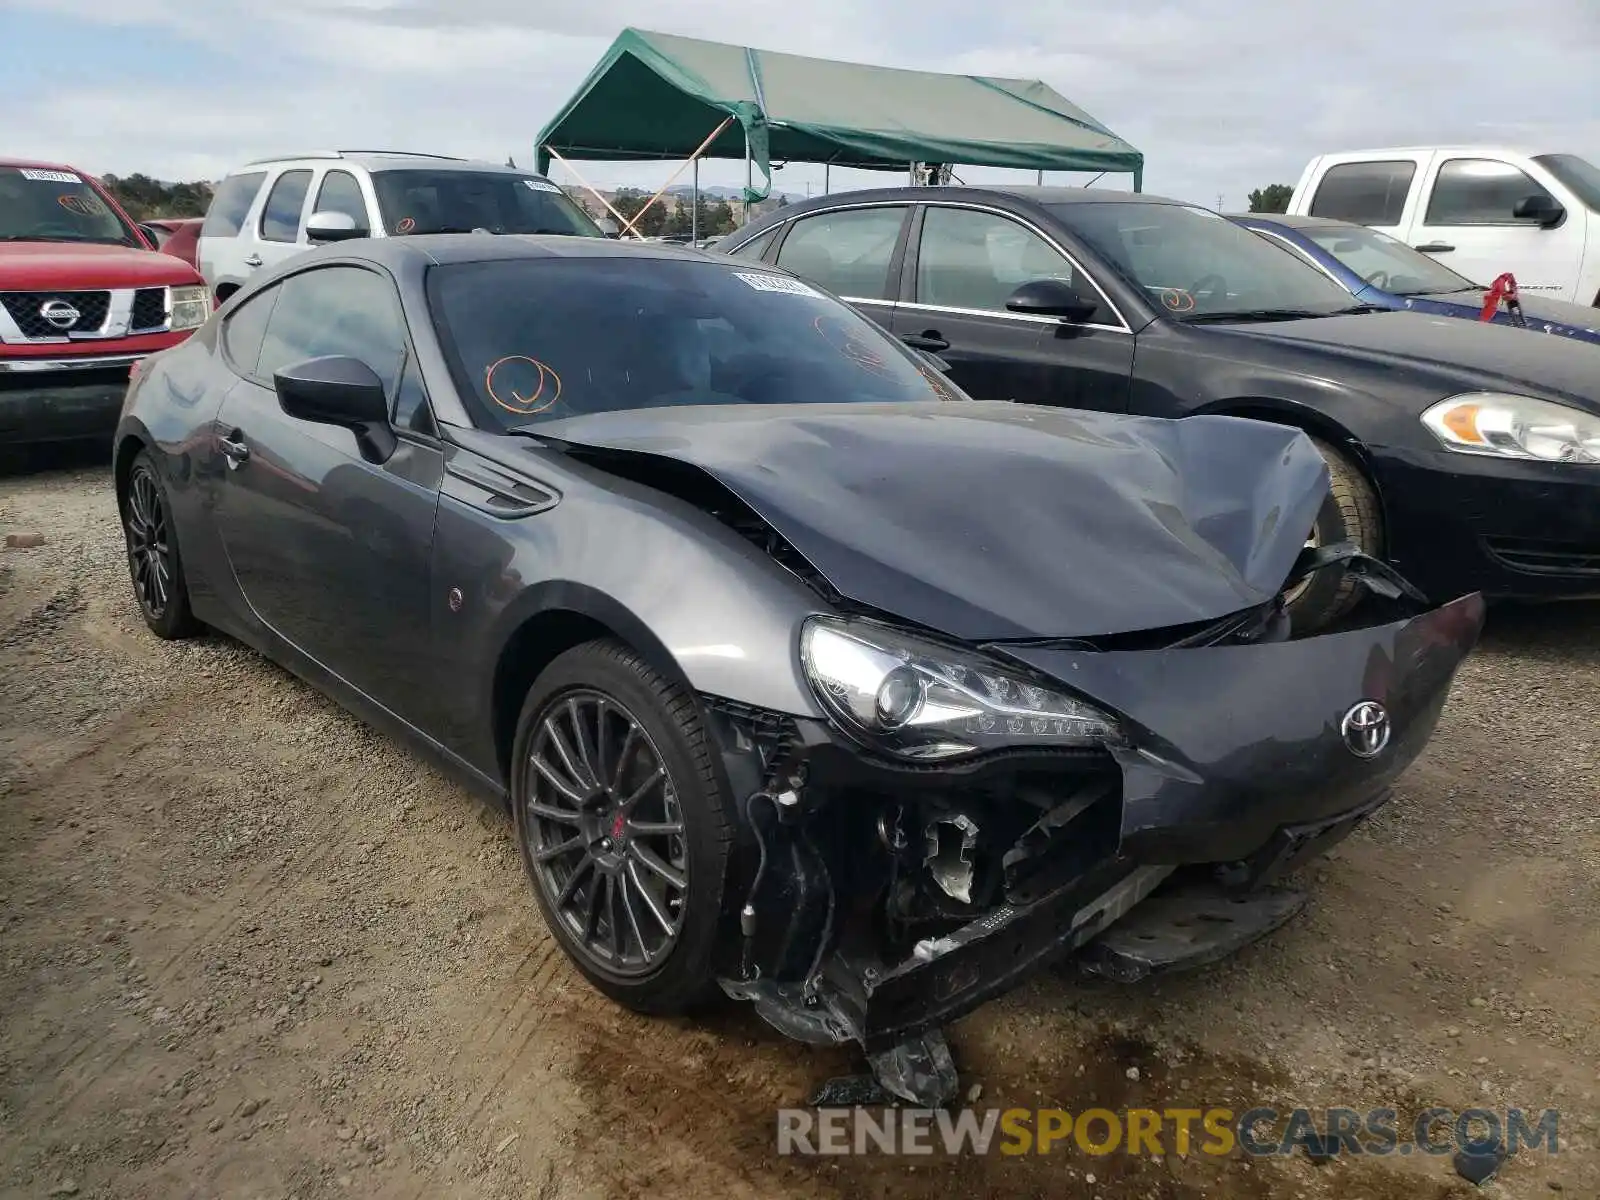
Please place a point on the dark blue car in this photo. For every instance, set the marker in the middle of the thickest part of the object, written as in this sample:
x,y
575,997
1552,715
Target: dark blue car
x,y
1381,270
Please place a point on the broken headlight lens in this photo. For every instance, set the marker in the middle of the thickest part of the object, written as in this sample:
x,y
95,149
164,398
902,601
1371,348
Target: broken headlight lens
x,y
921,700
1515,427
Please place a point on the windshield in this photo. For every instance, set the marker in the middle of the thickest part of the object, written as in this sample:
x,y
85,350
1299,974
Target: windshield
x,y
39,204
1194,263
536,339
1579,174
446,201
1385,262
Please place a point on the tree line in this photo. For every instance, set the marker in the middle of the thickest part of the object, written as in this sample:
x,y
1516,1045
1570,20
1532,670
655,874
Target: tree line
x,y
145,198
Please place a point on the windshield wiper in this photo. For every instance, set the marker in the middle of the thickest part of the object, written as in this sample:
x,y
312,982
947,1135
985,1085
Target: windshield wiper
x,y
40,237
1360,308
1254,314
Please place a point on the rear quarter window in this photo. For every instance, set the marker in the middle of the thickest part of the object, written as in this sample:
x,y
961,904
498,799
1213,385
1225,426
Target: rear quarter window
x,y
231,205
1366,193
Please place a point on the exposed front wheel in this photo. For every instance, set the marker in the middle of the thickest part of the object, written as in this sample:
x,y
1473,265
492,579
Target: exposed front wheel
x,y
624,825
1349,514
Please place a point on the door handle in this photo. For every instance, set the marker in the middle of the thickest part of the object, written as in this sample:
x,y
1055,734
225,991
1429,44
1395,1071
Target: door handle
x,y
928,339
234,449
253,261
1434,248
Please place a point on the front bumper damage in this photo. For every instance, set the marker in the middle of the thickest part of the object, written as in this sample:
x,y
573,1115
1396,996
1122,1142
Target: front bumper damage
x,y
878,900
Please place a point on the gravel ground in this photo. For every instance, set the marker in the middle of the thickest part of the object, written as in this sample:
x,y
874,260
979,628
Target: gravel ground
x,y
252,949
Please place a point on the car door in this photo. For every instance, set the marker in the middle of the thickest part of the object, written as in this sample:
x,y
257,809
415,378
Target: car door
x,y
849,251
280,228
1468,223
962,264
329,550
224,244
1377,192
340,191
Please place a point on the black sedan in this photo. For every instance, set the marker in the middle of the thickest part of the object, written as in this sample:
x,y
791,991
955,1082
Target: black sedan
x,y
1467,456
803,674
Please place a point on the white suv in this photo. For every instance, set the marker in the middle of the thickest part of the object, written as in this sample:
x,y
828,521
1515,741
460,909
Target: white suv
x,y
273,208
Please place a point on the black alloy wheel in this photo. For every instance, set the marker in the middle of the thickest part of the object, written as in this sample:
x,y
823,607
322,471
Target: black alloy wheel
x,y
606,834
153,561
625,826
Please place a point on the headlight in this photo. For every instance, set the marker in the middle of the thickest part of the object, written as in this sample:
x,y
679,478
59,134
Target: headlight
x,y
920,700
1515,427
190,307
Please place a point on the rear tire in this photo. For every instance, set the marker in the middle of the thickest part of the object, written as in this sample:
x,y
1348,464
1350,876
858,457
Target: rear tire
x,y
1349,514
591,857
154,563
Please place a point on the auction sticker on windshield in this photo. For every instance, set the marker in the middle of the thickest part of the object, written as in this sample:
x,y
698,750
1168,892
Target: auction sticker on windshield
x,y
39,176
777,283
539,185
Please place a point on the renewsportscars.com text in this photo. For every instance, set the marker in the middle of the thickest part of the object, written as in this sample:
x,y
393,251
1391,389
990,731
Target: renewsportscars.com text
x,y
1329,1132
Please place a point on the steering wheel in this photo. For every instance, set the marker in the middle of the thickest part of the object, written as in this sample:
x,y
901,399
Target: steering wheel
x,y
1219,286
1379,279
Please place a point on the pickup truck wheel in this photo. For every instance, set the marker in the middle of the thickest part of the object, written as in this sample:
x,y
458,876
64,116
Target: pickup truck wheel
x,y
1349,514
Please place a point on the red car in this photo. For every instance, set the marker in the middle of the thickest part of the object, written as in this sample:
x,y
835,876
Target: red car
x,y
83,297
177,236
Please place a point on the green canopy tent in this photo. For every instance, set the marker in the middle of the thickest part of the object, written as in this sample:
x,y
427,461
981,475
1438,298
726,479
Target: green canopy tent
x,y
657,96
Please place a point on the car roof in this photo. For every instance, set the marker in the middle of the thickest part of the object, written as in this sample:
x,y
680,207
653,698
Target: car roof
x,y
1030,193
386,160
33,164
445,249
1292,221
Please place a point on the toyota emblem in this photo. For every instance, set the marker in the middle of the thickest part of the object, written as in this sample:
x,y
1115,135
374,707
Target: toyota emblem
x,y
1366,729
59,313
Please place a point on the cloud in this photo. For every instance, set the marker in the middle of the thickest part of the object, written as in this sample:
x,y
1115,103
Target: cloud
x,y
1221,97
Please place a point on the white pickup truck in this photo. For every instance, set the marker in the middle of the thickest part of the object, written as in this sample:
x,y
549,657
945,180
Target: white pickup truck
x,y
1481,210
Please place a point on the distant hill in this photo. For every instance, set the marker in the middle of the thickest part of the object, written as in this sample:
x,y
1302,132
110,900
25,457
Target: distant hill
x,y
714,192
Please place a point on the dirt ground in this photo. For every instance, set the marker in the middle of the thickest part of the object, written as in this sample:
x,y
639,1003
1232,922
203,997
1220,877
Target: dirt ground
x,y
252,949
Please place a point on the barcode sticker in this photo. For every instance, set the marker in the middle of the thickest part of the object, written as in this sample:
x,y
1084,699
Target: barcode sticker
x,y
540,185
763,282
39,176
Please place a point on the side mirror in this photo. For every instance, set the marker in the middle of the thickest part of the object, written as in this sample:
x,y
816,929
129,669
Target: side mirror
x,y
1541,209
608,227
336,390
158,236
334,227
1051,298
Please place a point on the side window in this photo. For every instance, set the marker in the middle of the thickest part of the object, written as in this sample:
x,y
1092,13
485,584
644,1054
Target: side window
x,y
280,218
845,252
1365,193
244,329
341,193
336,310
757,246
1480,191
411,402
231,204
970,259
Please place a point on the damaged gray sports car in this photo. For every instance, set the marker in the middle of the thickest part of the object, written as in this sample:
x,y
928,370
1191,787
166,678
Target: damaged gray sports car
x,y
804,676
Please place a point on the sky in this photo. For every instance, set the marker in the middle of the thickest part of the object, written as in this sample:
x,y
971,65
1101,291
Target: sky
x,y
1222,96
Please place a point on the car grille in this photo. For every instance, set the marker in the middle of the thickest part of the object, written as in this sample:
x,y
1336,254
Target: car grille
x,y
149,309
23,308
1546,557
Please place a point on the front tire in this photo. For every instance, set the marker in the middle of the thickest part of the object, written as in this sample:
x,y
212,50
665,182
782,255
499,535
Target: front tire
x,y
1349,514
624,825
154,563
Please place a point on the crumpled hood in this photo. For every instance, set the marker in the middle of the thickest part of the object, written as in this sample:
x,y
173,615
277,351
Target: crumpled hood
x,y
64,266
994,521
